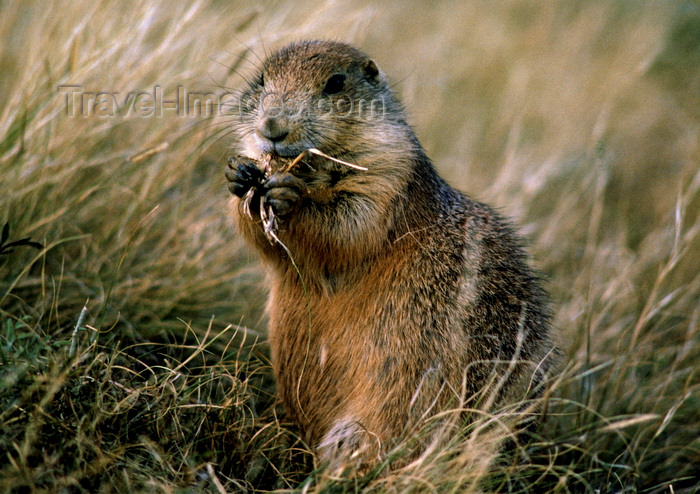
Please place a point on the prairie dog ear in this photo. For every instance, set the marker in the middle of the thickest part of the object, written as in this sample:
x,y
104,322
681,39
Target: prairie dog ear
x,y
371,70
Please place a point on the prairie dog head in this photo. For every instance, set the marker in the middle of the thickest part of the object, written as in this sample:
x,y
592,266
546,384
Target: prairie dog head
x,y
319,94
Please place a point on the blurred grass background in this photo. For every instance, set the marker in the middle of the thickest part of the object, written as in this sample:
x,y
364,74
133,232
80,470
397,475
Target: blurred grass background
x,y
579,120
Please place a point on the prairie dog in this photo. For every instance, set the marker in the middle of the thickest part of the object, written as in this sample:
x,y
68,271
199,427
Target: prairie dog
x,y
410,298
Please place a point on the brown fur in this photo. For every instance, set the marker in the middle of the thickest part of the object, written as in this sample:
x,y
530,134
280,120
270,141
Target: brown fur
x,y
413,297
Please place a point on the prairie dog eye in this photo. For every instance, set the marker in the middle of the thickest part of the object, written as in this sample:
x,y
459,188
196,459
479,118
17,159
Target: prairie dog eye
x,y
335,84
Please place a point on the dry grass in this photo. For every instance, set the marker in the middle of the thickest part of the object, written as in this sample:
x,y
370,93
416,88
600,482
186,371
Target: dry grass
x,y
579,119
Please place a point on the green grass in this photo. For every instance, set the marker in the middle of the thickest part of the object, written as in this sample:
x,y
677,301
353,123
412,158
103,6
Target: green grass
x,y
577,119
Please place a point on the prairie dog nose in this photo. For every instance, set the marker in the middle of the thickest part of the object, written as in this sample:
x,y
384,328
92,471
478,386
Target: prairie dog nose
x,y
273,128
